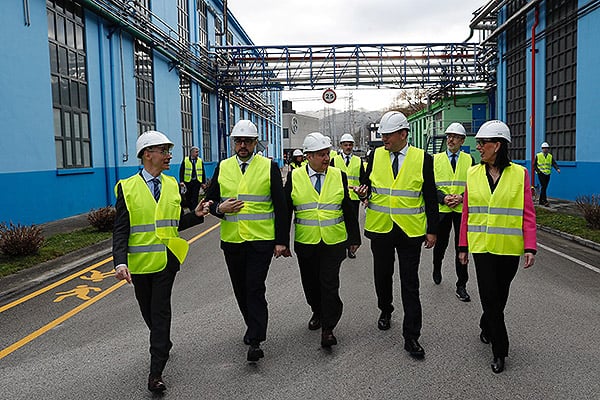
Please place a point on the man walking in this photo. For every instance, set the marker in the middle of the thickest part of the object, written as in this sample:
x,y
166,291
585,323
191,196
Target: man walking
x,y
543,164
191,176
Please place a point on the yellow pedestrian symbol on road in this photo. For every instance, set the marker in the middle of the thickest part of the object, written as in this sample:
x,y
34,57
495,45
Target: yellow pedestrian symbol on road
x,y
81,292
97,276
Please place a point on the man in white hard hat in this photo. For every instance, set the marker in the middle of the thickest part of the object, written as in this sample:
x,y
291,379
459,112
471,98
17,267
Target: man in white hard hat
x,y
542,165
147,249
247,192
352,166
450,170
325,225
191,177
402,214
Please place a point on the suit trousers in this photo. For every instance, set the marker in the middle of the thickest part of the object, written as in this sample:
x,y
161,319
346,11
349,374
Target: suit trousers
x,y
447,221
248,264
192,193
153,293
544,182
384,248
494,275
320,273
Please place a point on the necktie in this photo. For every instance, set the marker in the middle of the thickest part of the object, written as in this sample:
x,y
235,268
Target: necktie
x,y
244,165
347,160
318,183
395,164
453,162
194,174
156,189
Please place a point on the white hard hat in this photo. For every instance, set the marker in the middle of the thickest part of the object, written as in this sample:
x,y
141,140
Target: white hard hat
x,y
493,129
392,121
149,139
260,153
456,128
545,145
346,137
315,141
297,153
244,128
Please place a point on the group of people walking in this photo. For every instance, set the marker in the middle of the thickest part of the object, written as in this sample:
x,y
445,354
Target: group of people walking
x,y
412,199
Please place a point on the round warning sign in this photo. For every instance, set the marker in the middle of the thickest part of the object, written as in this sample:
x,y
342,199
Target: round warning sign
x,y
329,96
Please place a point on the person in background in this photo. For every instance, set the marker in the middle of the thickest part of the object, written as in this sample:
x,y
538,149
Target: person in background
x,y
497,227
352,166
247,194
297,159
542,164
325,225
450,170
191,177
147,249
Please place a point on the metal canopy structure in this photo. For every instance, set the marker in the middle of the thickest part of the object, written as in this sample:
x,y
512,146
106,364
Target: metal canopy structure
x,y
395,66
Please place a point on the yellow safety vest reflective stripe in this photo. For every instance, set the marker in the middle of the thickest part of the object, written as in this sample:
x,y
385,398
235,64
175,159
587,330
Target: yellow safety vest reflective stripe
x,y
153,226
544,164
188,167
256,221
399,200
448,181
318,216
352,171
495,223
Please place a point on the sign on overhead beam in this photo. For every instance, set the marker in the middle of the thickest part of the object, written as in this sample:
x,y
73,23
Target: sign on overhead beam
x,y
329,96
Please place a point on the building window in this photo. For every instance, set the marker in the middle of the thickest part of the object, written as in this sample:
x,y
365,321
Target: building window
x,y
561,77
144,87
231,115
183,17
203,23
206,145
286,133
218,31
68,77
185,93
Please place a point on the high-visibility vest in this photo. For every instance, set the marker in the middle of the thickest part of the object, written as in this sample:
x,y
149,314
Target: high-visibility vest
x,y
544,164
188,169
495,223
352,170
448,181
153,225
256,221
397,200
294,165
318,216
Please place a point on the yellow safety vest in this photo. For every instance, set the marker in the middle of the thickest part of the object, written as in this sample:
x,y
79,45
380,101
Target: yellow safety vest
x,y
187,173
397,200
256,221
294,165
352,170
544,164
448,181
495,223
318,216
153,226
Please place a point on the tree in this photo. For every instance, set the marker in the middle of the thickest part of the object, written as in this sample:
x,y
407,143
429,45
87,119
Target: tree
x,y
410,101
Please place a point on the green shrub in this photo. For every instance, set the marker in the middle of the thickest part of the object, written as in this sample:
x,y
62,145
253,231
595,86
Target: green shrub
x,y
102,219
590,206
20,240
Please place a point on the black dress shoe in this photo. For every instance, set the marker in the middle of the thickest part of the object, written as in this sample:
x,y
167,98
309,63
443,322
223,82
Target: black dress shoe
x,y
384,321
314,323
351,254
156,384
437,276
498,365
484,338
461,293
255,353
414,348
327,339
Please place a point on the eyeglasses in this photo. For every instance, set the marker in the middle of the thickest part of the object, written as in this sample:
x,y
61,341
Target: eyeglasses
x,y
245,141
164,152
482,142
454,137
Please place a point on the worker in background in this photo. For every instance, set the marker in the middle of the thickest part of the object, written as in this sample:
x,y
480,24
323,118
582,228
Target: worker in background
x,y
542,165
191,177
297,159
325,225
402,214
497,227
247,192
147,249
352,166
450,170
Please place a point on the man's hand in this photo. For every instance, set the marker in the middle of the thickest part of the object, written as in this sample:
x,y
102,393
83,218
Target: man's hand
x,y
122,272
230,205
463,257
430,239
203,208
353,247
361,191
280,250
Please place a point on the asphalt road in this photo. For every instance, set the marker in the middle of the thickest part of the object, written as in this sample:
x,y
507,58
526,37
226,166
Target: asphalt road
x,y
55,345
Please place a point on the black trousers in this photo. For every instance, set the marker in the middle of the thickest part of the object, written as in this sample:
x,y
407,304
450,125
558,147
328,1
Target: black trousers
x,y
384,248
248,264
320,273
447,220
494,275
153,293
544,181
192,193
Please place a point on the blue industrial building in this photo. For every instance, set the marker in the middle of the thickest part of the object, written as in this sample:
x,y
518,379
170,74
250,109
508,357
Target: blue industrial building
x,y
81,79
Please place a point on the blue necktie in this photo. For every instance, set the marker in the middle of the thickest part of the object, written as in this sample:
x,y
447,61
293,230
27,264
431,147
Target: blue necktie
x,y
453,162
395,164
156,189
318,183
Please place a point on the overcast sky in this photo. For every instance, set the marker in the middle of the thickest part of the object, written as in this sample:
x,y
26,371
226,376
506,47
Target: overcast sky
x,y
306,22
